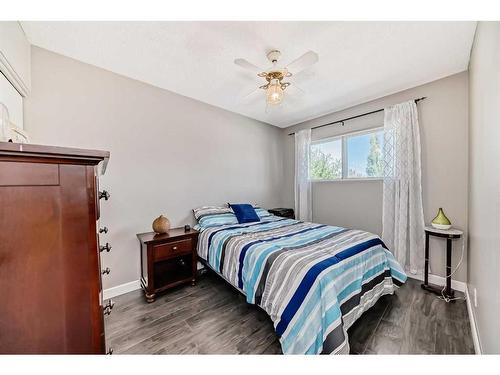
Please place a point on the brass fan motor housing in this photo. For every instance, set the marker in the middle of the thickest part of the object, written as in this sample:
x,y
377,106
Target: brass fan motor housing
x,y
275,75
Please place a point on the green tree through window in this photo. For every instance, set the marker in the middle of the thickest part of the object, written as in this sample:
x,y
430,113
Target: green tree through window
x,y
374,159
324,166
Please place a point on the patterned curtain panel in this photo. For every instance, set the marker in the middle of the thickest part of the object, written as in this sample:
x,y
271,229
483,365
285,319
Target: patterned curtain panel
x,y
403,215
303,194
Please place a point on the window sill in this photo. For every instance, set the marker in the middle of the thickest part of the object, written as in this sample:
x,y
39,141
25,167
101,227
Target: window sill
x,y
351,179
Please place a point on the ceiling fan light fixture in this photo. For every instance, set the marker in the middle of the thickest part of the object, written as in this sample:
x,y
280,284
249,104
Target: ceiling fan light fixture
x,y
275,75
274,93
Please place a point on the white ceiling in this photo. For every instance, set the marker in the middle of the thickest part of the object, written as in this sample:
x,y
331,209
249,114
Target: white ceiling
x,y
358,61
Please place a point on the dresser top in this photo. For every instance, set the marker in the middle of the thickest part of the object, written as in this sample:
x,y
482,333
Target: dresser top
x,y
174,233
54,152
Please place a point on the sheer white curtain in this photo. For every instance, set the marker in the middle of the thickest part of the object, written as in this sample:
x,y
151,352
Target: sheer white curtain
x,y
403,215
303,194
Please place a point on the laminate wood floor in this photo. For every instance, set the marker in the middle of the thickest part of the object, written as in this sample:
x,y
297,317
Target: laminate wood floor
x,y
213,318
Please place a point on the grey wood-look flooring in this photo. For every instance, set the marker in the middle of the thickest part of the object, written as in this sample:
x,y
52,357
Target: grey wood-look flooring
x,y
213,318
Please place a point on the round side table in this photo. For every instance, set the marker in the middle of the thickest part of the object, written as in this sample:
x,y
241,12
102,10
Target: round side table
x,y
449,235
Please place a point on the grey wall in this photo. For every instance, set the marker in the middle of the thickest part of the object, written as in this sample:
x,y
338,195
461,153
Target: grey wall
x,y
443,129
484,192
169,153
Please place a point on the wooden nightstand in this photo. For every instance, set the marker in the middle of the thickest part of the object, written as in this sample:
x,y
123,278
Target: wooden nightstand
x,y
167,260
282,212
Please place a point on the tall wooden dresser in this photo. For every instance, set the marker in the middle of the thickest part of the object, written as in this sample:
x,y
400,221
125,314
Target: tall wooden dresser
x,y
50,272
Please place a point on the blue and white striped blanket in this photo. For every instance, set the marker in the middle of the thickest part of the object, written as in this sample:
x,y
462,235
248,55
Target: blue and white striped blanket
x,y
313,280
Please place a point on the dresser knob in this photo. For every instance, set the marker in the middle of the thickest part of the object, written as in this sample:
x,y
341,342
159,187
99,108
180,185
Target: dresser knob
x,y
104,194
106,271
110,304
103,230
174,248
106,247
110,351
108,307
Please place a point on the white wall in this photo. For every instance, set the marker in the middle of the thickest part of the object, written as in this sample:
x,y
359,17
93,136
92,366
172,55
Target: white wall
x,y
443,128
484,191
169,153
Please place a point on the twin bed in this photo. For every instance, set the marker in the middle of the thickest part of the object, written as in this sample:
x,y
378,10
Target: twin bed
x,y
313,280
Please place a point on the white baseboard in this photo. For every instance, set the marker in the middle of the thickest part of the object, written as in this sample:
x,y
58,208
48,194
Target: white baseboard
x,y
121,289
439,280
129,287
473,326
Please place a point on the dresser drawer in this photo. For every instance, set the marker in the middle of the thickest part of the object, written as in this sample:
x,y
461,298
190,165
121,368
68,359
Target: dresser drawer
x,y
172,249
28,174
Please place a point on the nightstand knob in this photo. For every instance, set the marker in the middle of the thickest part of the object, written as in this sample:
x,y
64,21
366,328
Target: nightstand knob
x,y
106,247
174,248
106,271
104,194
103,230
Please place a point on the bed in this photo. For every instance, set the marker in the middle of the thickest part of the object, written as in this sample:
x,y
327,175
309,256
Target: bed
x,y
313,280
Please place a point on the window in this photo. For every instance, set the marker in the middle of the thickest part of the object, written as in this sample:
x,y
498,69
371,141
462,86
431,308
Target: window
x,y
326,160
351,156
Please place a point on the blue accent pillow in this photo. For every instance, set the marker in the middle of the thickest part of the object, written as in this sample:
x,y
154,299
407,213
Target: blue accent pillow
x,y
245,213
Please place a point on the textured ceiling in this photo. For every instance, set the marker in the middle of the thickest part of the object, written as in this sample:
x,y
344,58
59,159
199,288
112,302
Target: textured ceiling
x,y
358,61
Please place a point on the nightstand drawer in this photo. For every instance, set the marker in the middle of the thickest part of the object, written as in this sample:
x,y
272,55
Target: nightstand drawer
x,y
172,249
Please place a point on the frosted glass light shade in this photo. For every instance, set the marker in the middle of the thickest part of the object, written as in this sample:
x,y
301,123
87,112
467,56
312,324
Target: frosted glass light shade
x,y
274,93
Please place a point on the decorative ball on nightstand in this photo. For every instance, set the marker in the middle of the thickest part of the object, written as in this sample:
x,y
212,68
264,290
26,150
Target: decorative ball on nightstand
x,y
441,221
161,224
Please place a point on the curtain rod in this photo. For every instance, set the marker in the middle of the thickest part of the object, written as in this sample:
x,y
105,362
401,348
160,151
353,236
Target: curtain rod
x,y
353,117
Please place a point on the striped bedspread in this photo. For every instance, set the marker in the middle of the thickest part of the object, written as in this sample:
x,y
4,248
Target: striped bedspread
x,y
313,280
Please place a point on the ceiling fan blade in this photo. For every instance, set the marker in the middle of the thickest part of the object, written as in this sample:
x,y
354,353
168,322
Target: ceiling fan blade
x,y
249,96
252,92
294,89
245,64
306,60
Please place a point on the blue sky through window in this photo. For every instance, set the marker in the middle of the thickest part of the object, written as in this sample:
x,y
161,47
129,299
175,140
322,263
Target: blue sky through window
x,y
358,149
333,148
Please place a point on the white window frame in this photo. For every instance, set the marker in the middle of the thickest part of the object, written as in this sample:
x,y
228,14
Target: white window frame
x,y
344,161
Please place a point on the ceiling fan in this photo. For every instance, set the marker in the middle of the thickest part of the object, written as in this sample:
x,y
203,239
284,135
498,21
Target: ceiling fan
x,y
275,75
